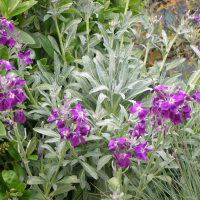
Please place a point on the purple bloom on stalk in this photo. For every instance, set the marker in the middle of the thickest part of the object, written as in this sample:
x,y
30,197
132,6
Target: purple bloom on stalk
x,y
54,115
15,82
25,58
85,130
4,64
196,97
6,39
141,151
196,19
198,47
122,159
142,113
19,116
173,102
79,115
78,136
138,129
19,92
176,117
186,110
65,133
12,100
120,143
8,24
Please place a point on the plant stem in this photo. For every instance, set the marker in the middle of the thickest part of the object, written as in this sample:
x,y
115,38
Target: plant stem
x,y
147,52
120,180
29,94
60,39
167,50
25,85
87,25
147,167
193,80
57,169
72,149
25,161
125,11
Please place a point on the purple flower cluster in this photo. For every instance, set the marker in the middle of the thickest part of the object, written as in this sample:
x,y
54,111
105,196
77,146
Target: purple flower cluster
x,y
4,64
169,104
11,94
191,17
5,23
77,118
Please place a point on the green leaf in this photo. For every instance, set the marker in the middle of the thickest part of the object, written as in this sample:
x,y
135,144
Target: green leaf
x,y
89,169
54,43
61,190
47,132
164,178
19,171
4,53
13,152
36,180
196,50
10,178
92,153
175,63
19,105
33,157
4,3
22,7
69,179
31,195
82,179
21,187
103,160
25,37
32,146
27,21
2,129
68,57
46,44
3,196
99,88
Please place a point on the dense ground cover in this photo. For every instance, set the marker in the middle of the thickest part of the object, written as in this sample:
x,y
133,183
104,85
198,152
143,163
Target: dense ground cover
x,y
92,105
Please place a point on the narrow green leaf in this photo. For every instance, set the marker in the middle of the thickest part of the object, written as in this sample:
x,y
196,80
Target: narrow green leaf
x,y
69,179
32,146
103,160
19,171
61,190
36,180
99,88
22,7
89,169
54,43
31,195
13,152
2,129
47,132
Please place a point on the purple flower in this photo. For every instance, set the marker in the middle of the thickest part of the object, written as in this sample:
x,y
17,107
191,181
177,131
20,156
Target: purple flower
x,y
141,151
85,130
54,115
173,102
196,97
196,19
176,117
142,113
120,143
19,116
79,115
65,133
122,159
11,100
15,82
78,136
25,58
6,39
198,47
186,112
8,24
6,65
138,129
